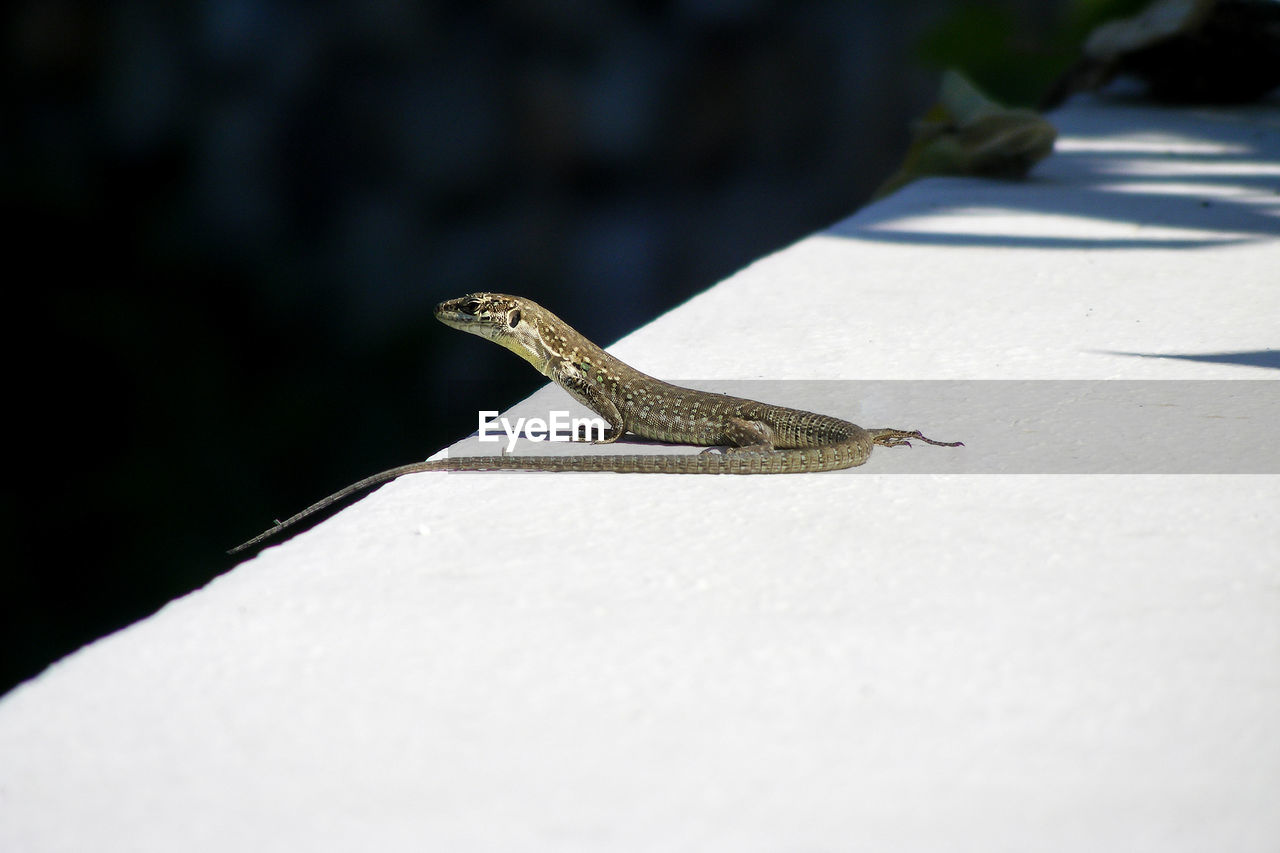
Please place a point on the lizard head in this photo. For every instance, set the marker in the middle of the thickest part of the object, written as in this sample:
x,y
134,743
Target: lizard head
x,y
521,325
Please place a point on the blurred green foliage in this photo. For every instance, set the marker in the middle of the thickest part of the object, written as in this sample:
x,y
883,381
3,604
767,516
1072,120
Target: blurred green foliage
x,y
1010,53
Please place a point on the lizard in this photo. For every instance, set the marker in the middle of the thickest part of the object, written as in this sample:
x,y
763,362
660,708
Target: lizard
x,y
757,438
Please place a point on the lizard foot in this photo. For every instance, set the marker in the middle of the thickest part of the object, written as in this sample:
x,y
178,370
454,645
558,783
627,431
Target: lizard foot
x,y
898,437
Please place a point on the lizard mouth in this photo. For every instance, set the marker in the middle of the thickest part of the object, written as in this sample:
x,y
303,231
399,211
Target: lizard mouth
x,y
485,326
449,310
474,311
451,314
448,316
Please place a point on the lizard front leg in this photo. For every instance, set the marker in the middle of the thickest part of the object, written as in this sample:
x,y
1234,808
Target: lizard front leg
x,y
594,398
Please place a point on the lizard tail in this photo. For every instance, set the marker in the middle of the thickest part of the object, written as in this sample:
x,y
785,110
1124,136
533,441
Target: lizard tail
x,y
366,483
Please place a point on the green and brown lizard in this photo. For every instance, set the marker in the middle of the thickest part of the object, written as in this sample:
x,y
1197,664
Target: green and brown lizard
x,y
758,438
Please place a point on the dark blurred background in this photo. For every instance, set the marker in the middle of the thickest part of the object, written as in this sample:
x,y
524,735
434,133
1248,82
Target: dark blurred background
x,y
227,223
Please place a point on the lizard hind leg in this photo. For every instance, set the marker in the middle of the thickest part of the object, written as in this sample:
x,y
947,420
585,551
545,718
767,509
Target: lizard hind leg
x,y
896,437
742,434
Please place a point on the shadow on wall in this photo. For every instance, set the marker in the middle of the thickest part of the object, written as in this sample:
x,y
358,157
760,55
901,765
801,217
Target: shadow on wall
x,y
1259,358
1212,191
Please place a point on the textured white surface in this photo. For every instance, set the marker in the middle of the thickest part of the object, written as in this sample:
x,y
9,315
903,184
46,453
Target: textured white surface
x,y
860,660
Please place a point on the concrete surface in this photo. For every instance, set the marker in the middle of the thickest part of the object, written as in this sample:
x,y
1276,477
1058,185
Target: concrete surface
x,y
968,657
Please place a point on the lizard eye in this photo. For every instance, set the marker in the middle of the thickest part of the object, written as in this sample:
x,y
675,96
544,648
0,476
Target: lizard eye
x,y
513,319
471,306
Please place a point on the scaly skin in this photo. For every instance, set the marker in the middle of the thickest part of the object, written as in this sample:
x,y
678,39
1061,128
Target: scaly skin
x,y
759,438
